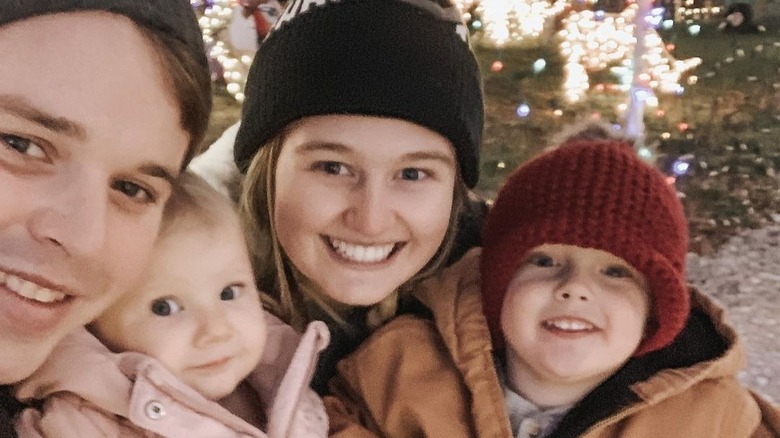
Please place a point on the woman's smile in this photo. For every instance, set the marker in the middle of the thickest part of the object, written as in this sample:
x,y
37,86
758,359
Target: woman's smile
x,y
361,253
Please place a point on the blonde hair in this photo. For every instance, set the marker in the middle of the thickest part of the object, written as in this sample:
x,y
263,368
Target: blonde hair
x,y
194,201
289,289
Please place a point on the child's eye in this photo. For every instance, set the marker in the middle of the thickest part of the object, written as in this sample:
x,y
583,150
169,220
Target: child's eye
x,y
618,272
331,167
165,307
413,174
541,260
229,293
133,191
22,146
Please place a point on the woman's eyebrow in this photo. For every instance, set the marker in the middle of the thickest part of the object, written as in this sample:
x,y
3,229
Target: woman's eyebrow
x,y
430,155
21,107
314,146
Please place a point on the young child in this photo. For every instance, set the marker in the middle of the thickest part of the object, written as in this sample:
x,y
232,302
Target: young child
x,y
192,352
582,326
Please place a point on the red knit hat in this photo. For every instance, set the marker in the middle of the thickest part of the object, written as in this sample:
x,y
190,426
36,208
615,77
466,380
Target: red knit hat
x,y
592,194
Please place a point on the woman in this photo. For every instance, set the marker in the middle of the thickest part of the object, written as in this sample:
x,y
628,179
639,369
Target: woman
x,y
359,138
102,103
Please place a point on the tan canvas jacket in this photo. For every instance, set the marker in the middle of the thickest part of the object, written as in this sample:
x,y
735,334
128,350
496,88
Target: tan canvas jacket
x,y
435,377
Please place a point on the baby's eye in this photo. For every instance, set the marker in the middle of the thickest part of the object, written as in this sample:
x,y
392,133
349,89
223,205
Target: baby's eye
x,y
541,260
618,272
332,167
22,146
134,191
165,307
229,293
413,174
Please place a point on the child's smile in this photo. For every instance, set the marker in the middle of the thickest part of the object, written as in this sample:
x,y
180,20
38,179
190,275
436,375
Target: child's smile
x,y
569,326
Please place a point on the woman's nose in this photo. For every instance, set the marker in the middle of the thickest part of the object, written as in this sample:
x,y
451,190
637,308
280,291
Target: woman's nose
x,y
369,211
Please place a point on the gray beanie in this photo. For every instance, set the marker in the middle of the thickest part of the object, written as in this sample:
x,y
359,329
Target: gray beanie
x,y
173,17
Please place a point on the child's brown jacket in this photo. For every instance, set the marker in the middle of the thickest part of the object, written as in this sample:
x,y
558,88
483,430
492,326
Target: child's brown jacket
x,y
435,376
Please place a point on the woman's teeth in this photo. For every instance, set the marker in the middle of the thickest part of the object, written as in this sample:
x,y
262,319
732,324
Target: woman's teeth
x,y
361,253
29,289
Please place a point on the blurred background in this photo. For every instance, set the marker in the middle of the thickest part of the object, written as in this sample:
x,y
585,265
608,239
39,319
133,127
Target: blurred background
x,y
700,93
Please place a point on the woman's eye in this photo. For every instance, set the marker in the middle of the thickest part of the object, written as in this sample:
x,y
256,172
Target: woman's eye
x,y
229,293
541,260
618,272
133,191
165,307
332,167
412,174
23,146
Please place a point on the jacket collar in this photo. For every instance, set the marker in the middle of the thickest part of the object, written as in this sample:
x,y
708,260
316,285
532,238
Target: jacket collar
x,y
64,371
706,348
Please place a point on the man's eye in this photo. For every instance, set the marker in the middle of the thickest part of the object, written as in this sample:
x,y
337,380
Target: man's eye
x,y
618,272
133,191
22,146
229,293
165,307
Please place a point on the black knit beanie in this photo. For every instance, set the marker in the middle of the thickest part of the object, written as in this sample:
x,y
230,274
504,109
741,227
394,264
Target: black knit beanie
x,y
173,17
405,59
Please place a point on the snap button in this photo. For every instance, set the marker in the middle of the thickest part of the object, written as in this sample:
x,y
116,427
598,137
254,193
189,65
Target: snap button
x,y
154,410
530,427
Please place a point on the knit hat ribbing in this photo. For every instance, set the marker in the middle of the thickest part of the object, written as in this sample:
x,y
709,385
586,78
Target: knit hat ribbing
x,y
173,17
406,59
592,194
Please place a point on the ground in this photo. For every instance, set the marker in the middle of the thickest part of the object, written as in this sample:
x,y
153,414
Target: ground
x,y
744,276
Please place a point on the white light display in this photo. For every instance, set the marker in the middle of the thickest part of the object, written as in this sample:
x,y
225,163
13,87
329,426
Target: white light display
x,y
214,17
513,22
589,43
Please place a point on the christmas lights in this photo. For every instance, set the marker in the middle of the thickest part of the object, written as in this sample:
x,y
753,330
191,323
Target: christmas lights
x,y
214,17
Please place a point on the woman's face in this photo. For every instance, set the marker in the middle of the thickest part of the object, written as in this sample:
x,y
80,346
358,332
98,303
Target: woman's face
x,y
362,203
89,143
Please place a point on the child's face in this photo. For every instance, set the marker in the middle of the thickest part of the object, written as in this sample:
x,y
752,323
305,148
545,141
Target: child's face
x,y
362,203
197,310
572,316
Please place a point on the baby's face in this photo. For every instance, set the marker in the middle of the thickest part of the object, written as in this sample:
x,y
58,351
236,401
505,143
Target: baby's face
x,y
573,315
197,310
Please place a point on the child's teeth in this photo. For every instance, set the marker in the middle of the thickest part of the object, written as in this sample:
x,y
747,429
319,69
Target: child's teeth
x,y
570,325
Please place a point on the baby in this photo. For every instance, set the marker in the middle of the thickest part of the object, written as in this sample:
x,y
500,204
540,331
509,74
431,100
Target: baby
x,y
189,352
